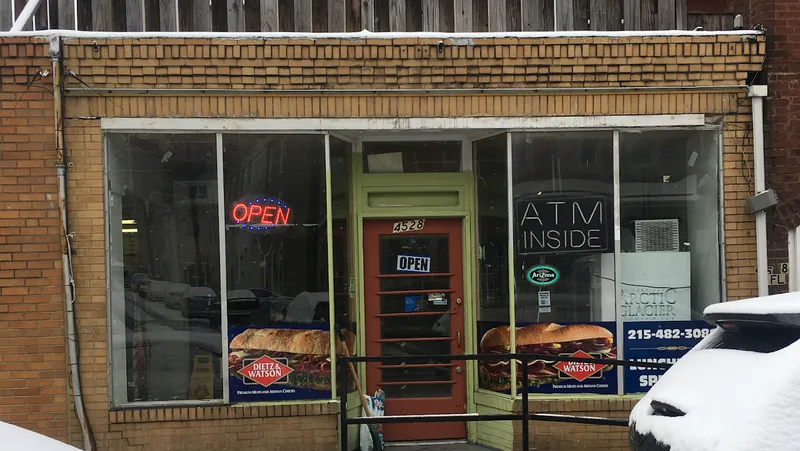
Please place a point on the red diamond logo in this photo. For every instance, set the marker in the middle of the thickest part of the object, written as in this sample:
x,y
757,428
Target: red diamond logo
x,y
580,371
265,371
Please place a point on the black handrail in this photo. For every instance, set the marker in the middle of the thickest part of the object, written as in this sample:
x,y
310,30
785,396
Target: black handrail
x,y
524,415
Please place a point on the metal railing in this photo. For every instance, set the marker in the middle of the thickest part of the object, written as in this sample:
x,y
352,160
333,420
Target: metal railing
x,y
524,415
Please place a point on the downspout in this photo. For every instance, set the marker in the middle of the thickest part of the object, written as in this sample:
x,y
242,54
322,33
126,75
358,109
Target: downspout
x,y
57,61
757,94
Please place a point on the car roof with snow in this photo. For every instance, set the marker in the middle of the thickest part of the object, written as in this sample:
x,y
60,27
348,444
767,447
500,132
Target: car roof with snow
x,y
787,303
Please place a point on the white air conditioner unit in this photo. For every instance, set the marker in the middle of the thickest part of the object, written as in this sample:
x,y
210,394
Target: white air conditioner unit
x,y
657,235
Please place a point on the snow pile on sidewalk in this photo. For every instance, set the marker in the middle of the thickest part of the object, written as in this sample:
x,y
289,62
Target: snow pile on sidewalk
x,y
733,400
17,438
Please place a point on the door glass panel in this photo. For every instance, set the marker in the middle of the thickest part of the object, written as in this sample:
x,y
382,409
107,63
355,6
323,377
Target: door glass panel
x,y
415,303
409,283
415,326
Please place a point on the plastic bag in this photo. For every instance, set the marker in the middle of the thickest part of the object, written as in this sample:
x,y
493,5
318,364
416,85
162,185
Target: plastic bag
x,y
376,405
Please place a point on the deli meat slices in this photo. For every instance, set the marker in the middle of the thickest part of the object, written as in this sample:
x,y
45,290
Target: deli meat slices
x,y
306,351
543,339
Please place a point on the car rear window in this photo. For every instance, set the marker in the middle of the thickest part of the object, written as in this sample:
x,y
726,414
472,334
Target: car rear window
x,y
761,338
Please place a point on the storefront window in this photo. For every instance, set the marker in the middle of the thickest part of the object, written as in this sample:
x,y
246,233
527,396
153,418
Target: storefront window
x,y
670,260
344,295
563,191
412,156
164,267
491,183
277,266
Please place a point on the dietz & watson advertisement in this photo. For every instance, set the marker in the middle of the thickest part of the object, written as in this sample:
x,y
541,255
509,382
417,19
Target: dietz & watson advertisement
x,y
583,340
281,363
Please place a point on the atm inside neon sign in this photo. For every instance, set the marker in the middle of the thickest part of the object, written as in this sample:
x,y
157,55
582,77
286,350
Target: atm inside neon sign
x,y
261,213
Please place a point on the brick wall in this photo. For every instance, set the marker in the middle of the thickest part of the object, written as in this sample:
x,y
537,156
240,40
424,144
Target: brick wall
x,y
32,343
782,112
280,78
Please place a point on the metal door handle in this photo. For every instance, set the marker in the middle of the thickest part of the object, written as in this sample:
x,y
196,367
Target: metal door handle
x,y
458,334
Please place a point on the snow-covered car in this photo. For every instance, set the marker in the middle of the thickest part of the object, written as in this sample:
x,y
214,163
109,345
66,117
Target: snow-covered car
x,y
195,302
737,390
14,437
174,295
157,290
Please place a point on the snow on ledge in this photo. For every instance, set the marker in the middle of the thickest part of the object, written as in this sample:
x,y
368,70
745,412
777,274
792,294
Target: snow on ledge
x,y
787,303
456,37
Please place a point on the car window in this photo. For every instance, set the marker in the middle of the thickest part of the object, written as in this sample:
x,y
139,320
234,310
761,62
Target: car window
x,y
761,338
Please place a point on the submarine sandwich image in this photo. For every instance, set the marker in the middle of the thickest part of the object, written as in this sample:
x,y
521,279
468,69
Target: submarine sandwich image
x,y
543,339
305,351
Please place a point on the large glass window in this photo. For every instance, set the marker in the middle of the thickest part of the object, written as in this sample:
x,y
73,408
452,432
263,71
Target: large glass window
x,y
579,265
164,267
277,264
563,199
491,182
669,230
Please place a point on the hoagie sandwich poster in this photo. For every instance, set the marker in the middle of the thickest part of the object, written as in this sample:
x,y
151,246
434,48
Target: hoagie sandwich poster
x,y
584,340
281,363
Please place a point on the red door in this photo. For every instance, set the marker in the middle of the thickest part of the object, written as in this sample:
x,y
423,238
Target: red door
x,y
414,306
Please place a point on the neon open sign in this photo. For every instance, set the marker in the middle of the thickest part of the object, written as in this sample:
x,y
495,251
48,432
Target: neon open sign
x,y
261,213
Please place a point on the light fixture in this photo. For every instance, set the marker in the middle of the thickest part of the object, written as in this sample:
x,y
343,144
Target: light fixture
x,y
128,222
130,230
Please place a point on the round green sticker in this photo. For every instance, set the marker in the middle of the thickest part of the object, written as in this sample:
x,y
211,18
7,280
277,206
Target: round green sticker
x,y
542,275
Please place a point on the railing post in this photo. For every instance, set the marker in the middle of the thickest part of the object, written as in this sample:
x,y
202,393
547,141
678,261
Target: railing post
x,y
525,446
342,364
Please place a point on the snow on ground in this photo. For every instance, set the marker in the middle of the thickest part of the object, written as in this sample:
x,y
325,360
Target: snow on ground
x,y
779,303
17,438
734,401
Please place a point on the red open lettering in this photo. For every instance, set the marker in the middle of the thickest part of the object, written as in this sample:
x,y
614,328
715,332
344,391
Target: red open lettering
x,y
269,213
255,210
282,216
255,214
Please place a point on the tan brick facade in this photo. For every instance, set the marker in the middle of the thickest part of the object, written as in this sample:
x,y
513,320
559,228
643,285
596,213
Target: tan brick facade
x,y
33,364
299,78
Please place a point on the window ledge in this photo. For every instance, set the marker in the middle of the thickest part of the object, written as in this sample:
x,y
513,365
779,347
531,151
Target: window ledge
x,y
234,411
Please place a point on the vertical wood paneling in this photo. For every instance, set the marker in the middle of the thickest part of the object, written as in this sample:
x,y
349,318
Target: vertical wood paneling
x,y
302,16
319,16
368,15
252,16
649,15
413,15
235,16
39,18
430,15
336,15
537,15
606,15
5,15
446,16
666,14
564,15
480,15
681,10
581,14
269,15
497,15
462,16
513,15
285,15
84,15
101,15
633,14
168,15
381,16
134,15
397,15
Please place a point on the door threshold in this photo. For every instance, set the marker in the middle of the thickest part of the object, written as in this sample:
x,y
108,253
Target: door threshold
x,y
426,443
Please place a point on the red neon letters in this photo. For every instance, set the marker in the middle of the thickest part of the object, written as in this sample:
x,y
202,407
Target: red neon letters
x,y
260,215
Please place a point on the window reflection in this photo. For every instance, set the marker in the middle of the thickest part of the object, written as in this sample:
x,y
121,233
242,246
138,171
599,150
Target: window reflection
x,y
164,248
